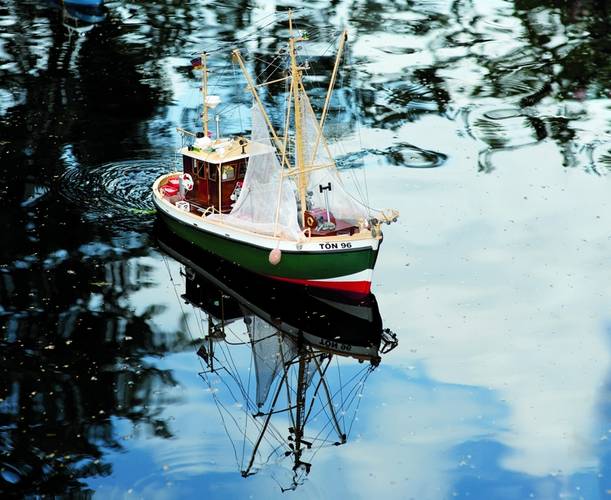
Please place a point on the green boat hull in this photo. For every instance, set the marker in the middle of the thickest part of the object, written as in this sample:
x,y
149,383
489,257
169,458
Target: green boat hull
x,y
347,270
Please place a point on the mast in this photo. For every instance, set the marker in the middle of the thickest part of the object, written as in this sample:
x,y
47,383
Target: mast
x,y
300,413
205,93
296,78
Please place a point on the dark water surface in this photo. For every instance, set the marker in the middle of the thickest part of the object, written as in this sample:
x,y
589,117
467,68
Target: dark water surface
x,y
486,123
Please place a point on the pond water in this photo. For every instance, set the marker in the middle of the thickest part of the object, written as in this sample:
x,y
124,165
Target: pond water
x,y
486,123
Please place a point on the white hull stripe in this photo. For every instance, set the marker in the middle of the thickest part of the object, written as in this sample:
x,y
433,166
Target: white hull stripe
x,y
360,276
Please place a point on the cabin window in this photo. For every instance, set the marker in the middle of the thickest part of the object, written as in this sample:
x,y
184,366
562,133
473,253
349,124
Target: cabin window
x,y
200,169
228,172
212,172
241,170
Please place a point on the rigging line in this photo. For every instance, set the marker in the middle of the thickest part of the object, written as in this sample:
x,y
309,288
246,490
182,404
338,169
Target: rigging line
x,y
229,357
223,381
246,412
217,403
279,381
308,56
237,424
228,328
229,45
354,390
229,109
276,433
366,205
354,394
287,368
270,64
249,402
341,85
182,311
280,441
219,77
322,429
273,15
273,431
236,377
327,424
251,342
320,380
317,450
237,383
346,405
358,132
332,398
200,323
325,443
275,452
356,375
276,54
330,419
202,320
358,405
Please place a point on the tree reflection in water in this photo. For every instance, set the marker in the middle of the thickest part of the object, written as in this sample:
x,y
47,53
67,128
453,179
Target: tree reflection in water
x,y
75,355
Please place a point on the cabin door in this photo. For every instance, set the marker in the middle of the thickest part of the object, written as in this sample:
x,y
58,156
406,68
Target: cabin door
x,y
225,182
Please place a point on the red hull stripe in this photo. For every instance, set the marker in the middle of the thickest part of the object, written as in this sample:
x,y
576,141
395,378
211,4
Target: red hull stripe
x,y
358,287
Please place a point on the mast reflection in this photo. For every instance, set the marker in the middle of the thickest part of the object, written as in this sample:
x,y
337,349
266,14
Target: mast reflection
x,y
279,360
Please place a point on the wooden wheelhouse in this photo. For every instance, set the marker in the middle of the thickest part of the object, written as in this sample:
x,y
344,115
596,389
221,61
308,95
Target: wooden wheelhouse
x,y
218,172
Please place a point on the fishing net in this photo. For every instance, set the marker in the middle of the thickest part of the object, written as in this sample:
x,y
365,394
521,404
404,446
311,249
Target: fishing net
x,y
267,202
316,154
270,351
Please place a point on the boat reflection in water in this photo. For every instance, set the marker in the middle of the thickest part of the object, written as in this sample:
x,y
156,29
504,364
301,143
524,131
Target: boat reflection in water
x,y
80,16
285,365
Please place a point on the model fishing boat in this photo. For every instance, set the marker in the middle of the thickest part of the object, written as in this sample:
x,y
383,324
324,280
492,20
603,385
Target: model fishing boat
x,y
275,203
270,360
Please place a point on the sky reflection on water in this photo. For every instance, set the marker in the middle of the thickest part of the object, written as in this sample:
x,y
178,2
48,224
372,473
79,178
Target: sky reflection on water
x,y
495,281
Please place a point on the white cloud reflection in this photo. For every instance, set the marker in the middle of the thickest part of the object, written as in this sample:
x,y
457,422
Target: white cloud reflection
x,y
507,289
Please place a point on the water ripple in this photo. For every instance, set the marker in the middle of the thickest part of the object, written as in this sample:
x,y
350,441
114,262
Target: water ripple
x,y
402,154
600,157
119,190
408,155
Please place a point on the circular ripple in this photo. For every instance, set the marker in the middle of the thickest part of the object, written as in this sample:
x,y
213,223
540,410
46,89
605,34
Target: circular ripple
x,y
501,128
600,155
121,190
408,155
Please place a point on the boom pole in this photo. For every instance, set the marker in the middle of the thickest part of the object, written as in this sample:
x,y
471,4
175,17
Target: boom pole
x,y
325,109
253,90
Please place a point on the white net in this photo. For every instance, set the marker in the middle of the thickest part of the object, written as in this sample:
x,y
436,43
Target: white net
x,y
316,154
267,202
271,351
